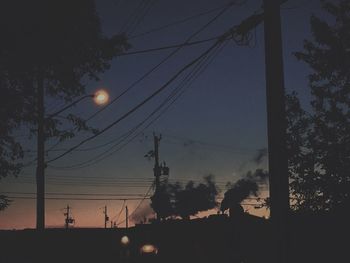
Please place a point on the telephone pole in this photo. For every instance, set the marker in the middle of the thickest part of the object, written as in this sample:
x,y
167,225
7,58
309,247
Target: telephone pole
x,y
126,217
156,169
40,168
106,218
159,169
276,128
41,138
68,220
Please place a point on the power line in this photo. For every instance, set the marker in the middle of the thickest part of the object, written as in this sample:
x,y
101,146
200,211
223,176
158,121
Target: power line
x,y
141,17
74,194
185,44
190,141
139,105
178,48
198,69
238,33
138,206
103,155
181,21
117,216
92,185
78,199
125,196
109,181
137,15
148,125
187,80
102,178
115,185
96,180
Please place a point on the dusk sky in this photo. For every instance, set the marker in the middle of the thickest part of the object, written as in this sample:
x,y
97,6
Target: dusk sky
x,y
216,127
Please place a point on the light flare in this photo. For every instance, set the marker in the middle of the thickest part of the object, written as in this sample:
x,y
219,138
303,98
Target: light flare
x,y
101,97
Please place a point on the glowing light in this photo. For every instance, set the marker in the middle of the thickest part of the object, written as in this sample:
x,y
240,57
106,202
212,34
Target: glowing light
x,y
148,249
101,97
125,240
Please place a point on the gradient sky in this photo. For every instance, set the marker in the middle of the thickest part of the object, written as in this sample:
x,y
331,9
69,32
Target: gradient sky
x,y
216,127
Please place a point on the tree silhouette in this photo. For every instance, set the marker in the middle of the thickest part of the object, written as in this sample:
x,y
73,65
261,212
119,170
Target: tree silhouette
x,y
161,202
4,202
57,43
195,198
175,200
243,188
319,143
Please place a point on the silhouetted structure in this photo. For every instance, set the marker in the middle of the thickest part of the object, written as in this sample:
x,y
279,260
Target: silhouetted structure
x,y
313,238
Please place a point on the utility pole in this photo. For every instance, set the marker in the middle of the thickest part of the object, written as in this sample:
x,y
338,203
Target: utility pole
x,y
41,137
276,128
40,169
159,169
126,217
68,219
106,218
156,169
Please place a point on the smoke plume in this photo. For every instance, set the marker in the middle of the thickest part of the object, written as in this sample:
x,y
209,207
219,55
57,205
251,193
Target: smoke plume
x,y
142,214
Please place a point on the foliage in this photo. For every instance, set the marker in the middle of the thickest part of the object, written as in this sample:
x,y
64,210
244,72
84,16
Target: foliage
x,y
195,198
319,143
174,200
4,202
162,201
59,42
243,188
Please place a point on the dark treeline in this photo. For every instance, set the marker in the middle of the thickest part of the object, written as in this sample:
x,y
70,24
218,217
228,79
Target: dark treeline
x,y
42,49
319,139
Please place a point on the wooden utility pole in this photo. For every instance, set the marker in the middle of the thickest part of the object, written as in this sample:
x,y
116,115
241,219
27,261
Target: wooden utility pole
x,y
126,217
159,169
156,169
40,169
68,218
276,128
106,218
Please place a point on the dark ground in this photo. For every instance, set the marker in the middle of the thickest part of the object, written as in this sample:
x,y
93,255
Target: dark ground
x,y
216,239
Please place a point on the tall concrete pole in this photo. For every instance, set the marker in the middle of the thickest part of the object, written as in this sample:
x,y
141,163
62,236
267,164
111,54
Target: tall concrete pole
x,y
276,119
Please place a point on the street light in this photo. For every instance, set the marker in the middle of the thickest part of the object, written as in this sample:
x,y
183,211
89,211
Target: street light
x,y
148,253
125,249
125,240
100,97
148,249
